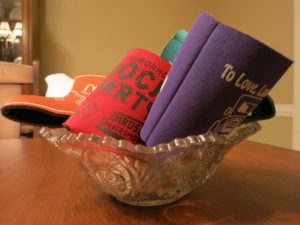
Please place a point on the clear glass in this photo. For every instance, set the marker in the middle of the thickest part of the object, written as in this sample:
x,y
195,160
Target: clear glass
x,y
144,176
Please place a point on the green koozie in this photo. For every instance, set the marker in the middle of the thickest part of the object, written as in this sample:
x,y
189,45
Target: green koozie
x,y
173,46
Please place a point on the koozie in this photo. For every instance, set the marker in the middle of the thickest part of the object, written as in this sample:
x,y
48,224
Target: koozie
x,y
118,107
265,109
172,47
194,41
48,111
216,87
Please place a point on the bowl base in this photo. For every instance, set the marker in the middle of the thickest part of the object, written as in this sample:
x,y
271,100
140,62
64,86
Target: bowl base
x,y
147,202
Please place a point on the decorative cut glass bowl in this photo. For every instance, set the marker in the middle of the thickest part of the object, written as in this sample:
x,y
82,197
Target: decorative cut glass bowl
x,y
144,176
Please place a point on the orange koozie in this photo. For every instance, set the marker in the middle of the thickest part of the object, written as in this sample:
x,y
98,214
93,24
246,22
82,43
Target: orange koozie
x,y
119,105
47,111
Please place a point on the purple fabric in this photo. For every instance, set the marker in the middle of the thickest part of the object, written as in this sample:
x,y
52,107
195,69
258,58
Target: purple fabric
x,y
188,53
230,76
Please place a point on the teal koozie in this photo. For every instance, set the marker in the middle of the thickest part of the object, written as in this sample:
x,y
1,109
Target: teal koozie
x,y
170,51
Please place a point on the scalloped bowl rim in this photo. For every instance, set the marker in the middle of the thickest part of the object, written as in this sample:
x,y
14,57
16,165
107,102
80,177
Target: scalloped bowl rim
x,y
58,135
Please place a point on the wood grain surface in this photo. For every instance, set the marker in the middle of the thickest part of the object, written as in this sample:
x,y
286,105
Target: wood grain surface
x,y
255,184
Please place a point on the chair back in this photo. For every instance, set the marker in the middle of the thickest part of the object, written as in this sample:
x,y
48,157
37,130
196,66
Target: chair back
x,y
15,80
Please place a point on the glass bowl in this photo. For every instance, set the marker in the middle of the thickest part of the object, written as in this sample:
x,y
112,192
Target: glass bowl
x,y
144,176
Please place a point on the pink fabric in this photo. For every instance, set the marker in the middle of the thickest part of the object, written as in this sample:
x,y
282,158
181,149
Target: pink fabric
x,y
118,107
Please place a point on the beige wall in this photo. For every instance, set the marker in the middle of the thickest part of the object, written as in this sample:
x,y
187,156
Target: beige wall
x,y
79,36
92,36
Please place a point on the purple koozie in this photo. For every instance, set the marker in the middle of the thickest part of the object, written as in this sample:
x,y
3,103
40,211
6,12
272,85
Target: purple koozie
x,y
213,93
188,53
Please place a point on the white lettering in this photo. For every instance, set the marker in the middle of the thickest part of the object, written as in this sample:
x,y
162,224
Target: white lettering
x,y
229,73
245,84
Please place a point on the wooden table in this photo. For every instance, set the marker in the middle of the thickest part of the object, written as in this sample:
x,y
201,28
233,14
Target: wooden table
x,y
255,184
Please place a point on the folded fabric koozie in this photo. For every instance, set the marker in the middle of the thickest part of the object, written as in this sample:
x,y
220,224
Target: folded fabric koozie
x,y
265,109
184,59
119,105
217,79
51,112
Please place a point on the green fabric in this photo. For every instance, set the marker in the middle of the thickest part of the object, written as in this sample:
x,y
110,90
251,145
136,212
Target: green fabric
x,y
173,46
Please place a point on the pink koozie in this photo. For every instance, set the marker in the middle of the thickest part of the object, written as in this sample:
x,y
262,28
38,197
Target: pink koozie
x,y
119,105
